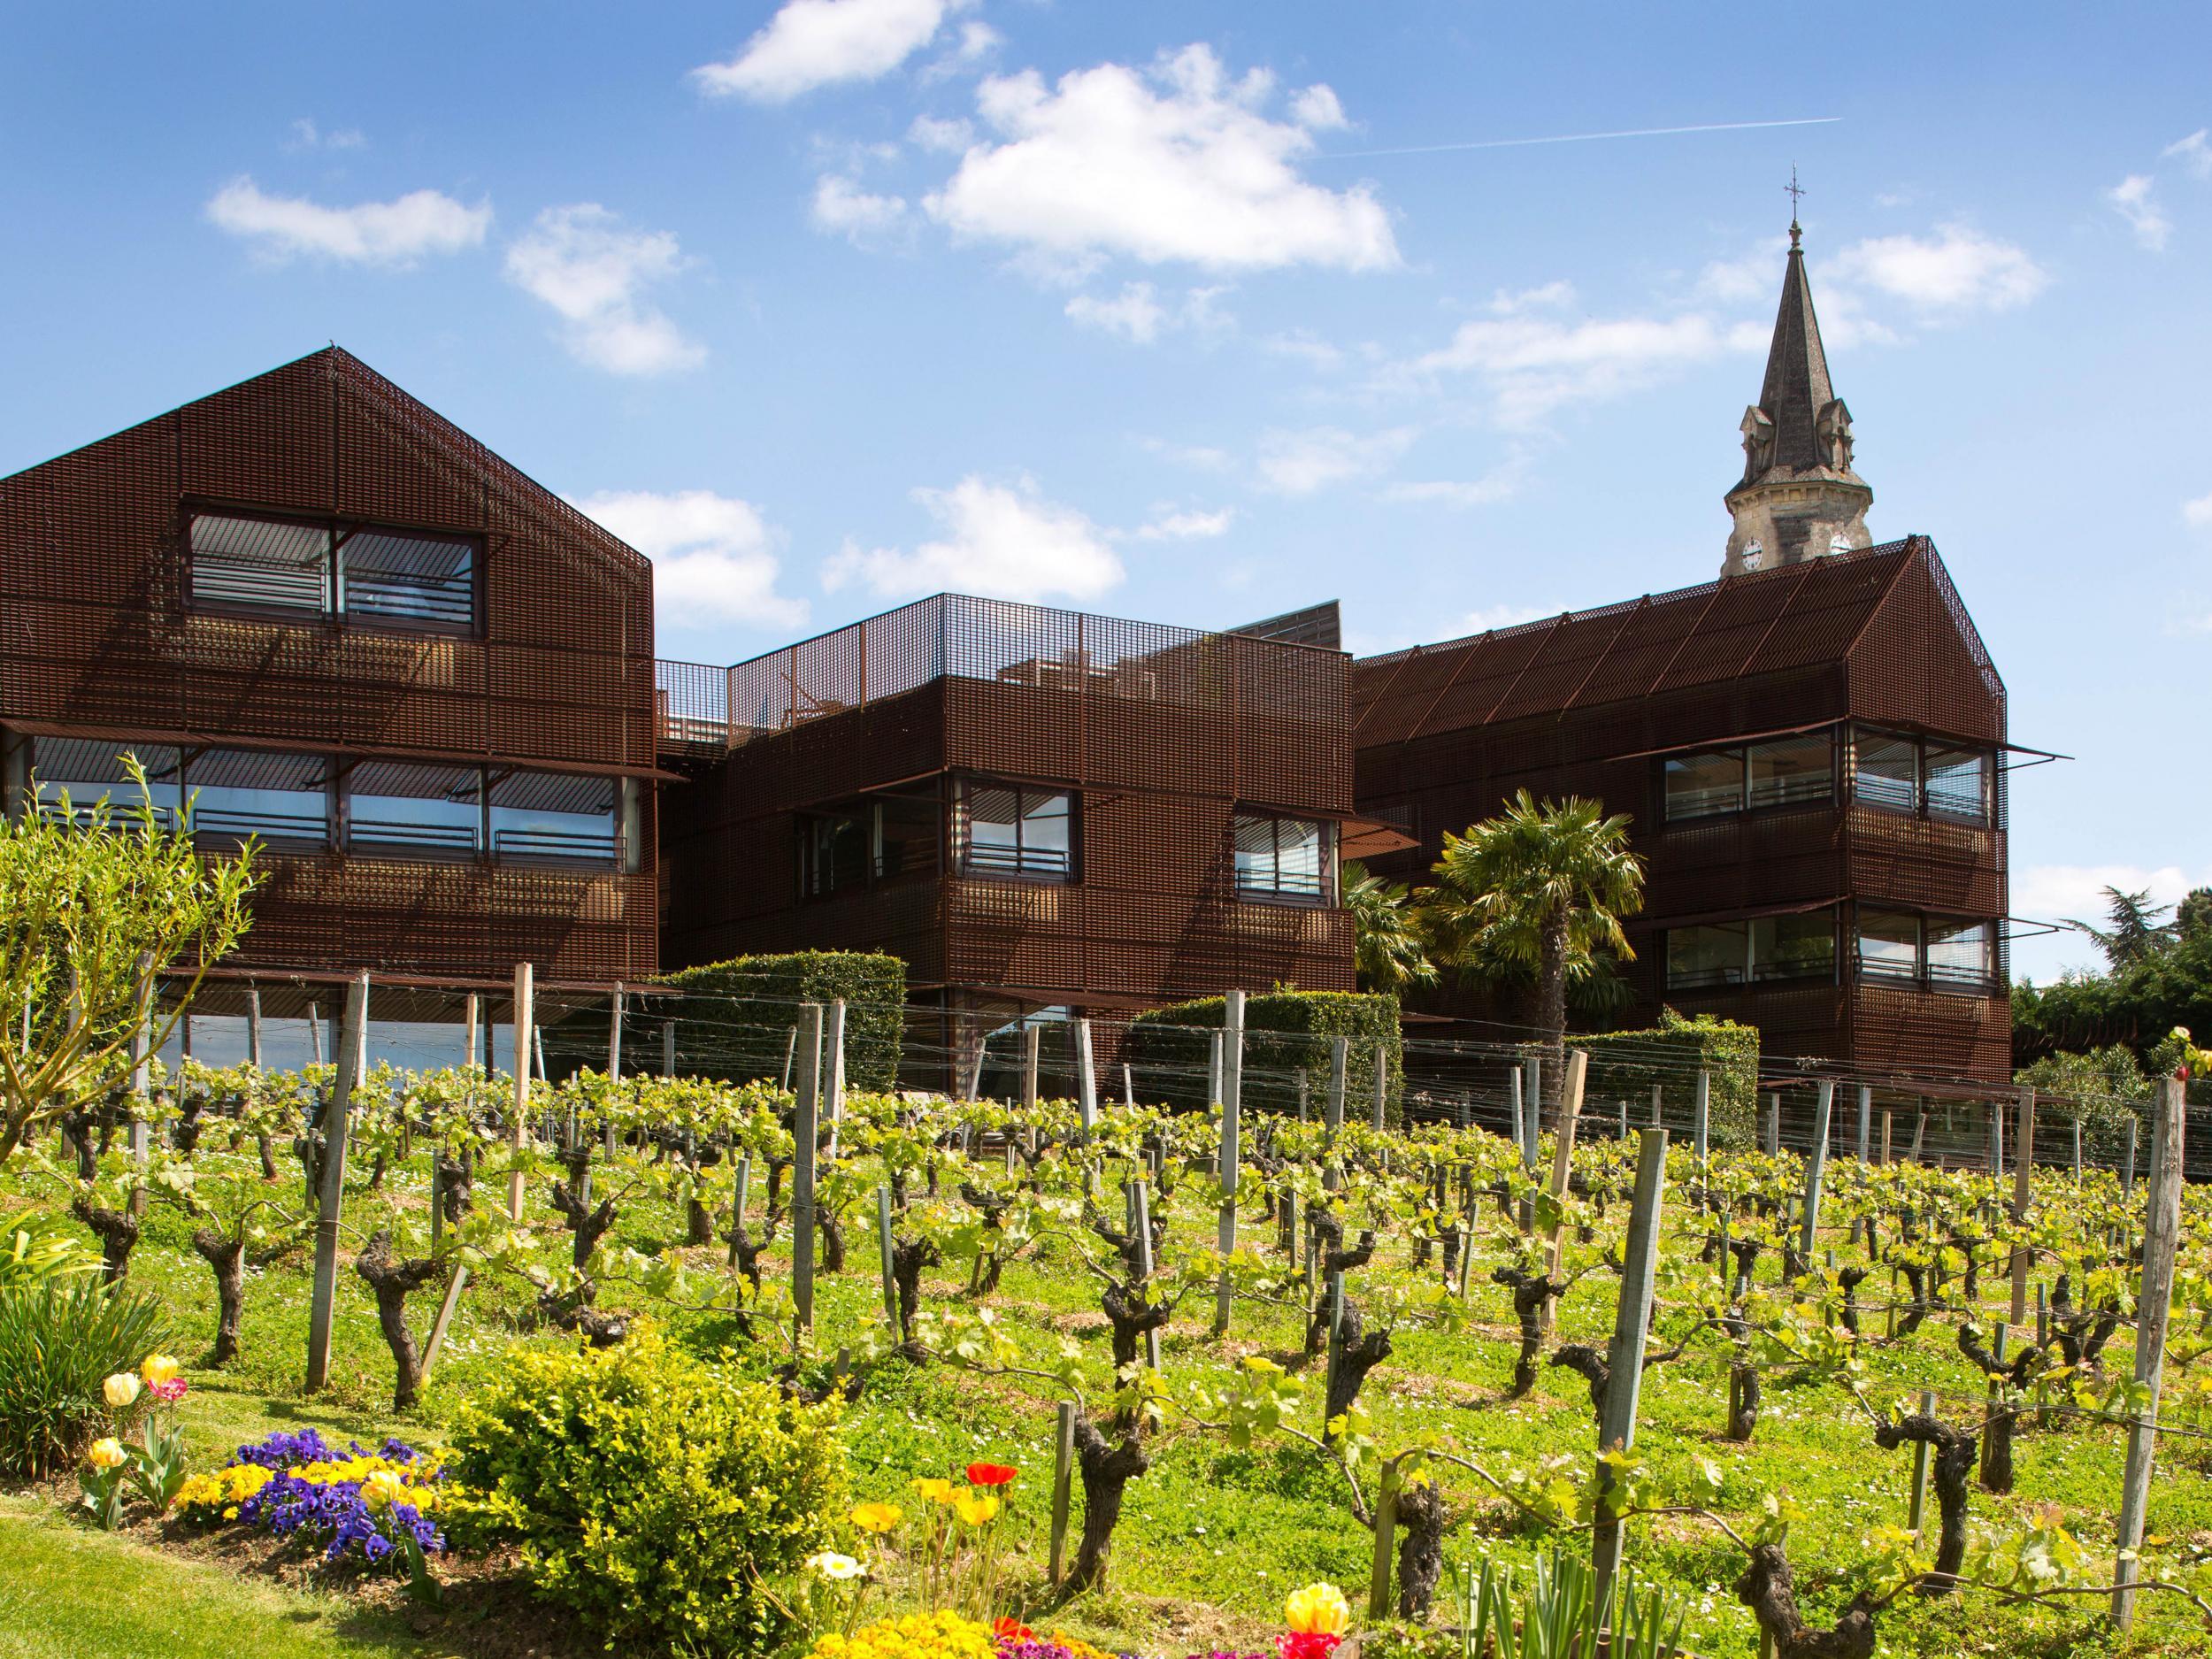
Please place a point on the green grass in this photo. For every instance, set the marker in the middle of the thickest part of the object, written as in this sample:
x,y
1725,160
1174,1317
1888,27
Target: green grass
x,y
1210,1539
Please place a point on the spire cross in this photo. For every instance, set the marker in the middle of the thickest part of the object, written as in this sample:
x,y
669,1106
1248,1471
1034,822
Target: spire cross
x,y
1796,194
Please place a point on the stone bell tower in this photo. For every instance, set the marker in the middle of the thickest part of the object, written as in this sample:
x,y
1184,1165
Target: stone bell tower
x,y
1799,498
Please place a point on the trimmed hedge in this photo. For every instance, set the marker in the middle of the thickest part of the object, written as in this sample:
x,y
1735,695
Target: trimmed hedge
x,y
749,1004
1624,1064
1284,1032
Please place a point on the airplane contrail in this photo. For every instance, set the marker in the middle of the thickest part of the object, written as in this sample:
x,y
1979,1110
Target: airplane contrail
x,y
1577,138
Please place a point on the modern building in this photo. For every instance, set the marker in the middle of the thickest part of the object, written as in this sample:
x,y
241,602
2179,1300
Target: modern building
x,y
1812,749
424,682
1044,812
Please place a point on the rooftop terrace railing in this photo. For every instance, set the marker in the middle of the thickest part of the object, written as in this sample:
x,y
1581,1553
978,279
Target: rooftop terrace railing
x,y
958,636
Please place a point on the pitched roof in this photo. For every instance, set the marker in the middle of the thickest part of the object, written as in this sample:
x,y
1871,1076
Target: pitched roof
x,y
1765,622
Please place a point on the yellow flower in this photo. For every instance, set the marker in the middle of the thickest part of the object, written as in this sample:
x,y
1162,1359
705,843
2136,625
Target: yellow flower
x,y
930,1490
877,1518
159,1368
121,1389
1318,1608
382,1488
975,1509
915,1636
106,1454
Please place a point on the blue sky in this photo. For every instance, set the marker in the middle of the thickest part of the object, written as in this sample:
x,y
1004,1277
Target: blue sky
x,y
1143,308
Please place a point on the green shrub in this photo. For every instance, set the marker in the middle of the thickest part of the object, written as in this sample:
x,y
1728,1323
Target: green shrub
x,y
1285,1032
35,1246
1624,1064
745,1008
59,1341
653,1493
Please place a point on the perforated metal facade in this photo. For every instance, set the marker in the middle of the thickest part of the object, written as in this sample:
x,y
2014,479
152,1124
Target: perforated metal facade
x,y
1591,703
529,646
1159,735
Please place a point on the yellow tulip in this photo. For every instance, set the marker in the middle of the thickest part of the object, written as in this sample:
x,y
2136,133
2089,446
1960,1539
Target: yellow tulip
x,y
121,1389
107,1453
160,1368
975,1509
877,1518
382,1489
1317,1609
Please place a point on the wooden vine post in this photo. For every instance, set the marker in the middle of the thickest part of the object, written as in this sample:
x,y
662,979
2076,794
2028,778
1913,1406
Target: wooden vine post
x,y
1143,1207
1340,1061
1232,1148
1063,1479
2154,1305
1701,1125
1625,1357
520,1129
1866,1118
1382,1082
833,1054
890,1280
614,1030
805,1116
1561,1166
351,1043
142,1054
1086,1079
2023,1192
1816,1171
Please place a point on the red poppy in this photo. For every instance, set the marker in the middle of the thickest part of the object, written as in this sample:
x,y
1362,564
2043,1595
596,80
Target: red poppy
x,y
991,1474
1003,1628
1306,1645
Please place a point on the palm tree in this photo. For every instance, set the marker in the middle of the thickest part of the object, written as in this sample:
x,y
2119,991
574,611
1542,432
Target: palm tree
x,y
1386,932
1542,888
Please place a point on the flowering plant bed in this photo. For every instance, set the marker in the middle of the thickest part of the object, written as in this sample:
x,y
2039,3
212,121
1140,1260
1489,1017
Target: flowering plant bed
x,y
368,1506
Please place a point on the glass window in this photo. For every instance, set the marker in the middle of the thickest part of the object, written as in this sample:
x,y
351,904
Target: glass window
x,y
833,853
88,772
284,799
263,563
1959,782
434,809
1962,954
1789,771
1699,786
1793,946
906,832
1282,858
407,577
1012,830
552,816
1700,957
1888,772
1889,945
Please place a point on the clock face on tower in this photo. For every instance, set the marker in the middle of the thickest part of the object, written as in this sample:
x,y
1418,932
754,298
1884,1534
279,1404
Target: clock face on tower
x,y
1754,557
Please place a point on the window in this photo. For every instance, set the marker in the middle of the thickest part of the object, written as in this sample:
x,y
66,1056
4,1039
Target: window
x,y
1926,775
1014,830
1283,858
554,818
907,830
1790,771
1793,946
1889,945
1765,950
1959,782
1962,955
1700,957
434,809
1702,785
89,771
1786,771
284,799
832,855
405,579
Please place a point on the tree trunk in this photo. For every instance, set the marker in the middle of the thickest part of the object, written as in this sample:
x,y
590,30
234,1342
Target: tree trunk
x,y
1107,1468
268,1157
1530,1292
833,1230
1358,1352
117,1231
392,1282
1766,1588
1421,1551
1955,1454
228,1257
1551,1015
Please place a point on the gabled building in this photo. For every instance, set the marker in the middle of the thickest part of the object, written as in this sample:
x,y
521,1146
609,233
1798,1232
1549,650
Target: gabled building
x,y
348,629
1811,750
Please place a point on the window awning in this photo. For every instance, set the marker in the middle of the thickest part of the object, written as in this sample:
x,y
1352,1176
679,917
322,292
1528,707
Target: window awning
x,y
1707,919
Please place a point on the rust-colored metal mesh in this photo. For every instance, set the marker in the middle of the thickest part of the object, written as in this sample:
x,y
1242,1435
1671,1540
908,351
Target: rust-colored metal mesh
x,y
559,676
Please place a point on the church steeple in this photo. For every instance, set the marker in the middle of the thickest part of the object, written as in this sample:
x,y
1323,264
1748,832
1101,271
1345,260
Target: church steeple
x,y
1799,498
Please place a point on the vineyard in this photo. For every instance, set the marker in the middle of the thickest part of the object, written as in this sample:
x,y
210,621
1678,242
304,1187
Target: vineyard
x,y
1806,1401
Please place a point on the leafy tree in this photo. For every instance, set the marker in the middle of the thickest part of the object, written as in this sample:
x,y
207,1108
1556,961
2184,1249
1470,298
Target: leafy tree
x,y
2104,1088
1386,927
96,907
2133,932
2193,917
1542,888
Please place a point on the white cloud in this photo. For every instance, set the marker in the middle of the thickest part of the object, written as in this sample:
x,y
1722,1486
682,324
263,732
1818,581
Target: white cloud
x,y
395,233
1478,492
1957,269
811,43
2135,199
1303,344
1199,457
2193,152
841,206
1134,314
1175,164
307,136
714,560
949,137
2198,513
581,262
1188,526
1535,364
999,540
1300,463
1316,110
